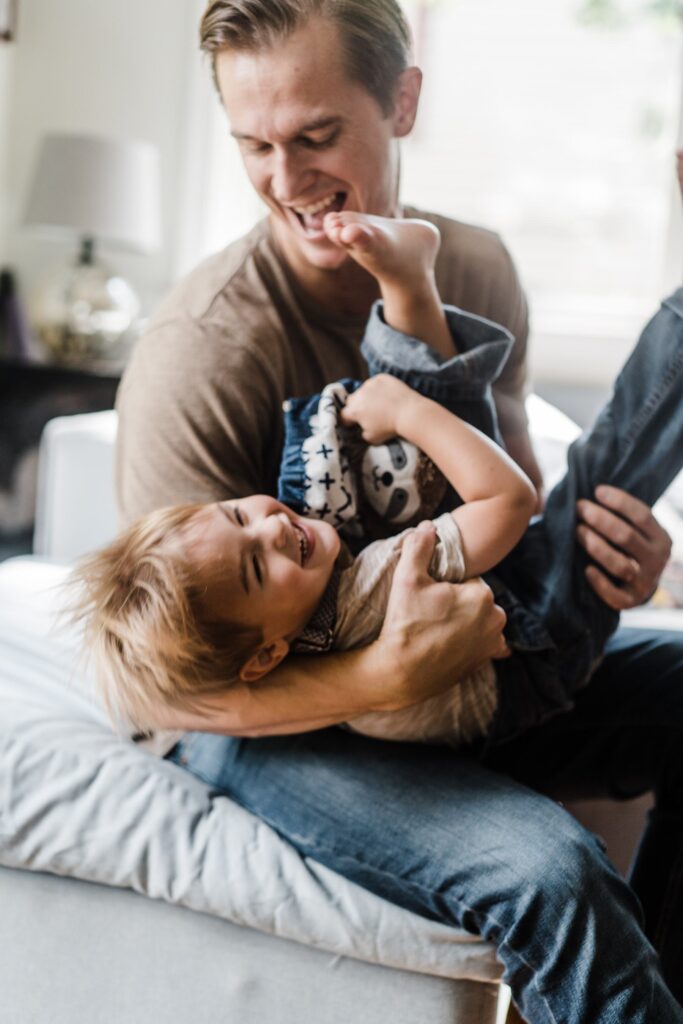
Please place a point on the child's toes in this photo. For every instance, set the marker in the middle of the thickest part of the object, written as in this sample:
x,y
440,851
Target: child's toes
x,y
357,236
333,227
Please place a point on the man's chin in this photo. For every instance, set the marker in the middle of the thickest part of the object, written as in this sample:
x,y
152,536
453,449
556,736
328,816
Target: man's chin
x,y
316,250
326,257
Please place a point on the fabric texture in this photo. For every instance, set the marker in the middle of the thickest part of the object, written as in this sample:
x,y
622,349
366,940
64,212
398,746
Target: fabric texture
x,y
436,831
459,715
77,800
237,338
329,473
78,953
636,443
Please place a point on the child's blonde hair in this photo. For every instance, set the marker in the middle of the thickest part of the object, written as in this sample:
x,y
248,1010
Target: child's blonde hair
x,y
153,638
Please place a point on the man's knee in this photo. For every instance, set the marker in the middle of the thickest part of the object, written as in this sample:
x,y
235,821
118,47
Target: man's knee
x,y
563,871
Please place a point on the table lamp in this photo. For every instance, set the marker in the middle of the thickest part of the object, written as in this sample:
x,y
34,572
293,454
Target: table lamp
x,y
99,189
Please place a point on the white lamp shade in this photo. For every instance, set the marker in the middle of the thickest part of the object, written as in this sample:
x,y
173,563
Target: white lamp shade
x,y
105,188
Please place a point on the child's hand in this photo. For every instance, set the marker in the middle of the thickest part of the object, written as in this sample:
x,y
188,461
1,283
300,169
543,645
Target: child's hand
x,y
377,407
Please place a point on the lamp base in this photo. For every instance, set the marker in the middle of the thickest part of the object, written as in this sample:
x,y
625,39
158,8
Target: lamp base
x,y
83,312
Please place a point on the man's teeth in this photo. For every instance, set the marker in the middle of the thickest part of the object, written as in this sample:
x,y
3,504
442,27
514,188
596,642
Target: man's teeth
x,y
322,204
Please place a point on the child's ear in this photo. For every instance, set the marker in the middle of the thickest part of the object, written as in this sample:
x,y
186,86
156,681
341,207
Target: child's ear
x,y
264,661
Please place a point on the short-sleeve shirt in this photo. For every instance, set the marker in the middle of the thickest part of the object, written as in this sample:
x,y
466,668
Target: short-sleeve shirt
x,y
200,404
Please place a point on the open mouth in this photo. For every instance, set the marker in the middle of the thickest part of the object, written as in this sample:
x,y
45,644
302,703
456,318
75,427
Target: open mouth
x,y
311,217
306,543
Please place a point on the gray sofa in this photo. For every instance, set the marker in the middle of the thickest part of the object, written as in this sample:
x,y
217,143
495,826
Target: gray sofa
x,y
79,953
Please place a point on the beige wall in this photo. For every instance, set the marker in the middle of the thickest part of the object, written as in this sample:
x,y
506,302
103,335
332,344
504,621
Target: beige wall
x,y
94,66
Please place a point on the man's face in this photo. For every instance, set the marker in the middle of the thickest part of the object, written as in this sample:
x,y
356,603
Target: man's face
x,y
311,139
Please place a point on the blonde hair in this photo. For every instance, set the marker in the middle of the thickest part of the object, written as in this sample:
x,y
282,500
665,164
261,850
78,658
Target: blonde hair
x,y
151,635
374,34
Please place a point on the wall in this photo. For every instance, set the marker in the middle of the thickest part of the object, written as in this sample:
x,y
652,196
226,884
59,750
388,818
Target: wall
x,y
6,76
99,67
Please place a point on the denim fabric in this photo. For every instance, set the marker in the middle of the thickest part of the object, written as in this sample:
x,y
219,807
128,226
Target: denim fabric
x,y
462,384
636,444
557,626
624,738
470,841
443,835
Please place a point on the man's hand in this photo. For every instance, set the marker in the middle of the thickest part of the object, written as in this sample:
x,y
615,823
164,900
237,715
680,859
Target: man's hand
x,y
435,633
621,534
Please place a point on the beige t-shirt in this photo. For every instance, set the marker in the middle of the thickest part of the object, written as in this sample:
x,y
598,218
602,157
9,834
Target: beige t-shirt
x,y
200,405
458,715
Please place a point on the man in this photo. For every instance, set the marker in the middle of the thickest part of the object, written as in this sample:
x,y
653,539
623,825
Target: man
x,y
318,93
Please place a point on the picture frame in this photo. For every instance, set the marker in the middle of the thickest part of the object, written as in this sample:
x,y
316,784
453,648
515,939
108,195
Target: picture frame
x,y
8,20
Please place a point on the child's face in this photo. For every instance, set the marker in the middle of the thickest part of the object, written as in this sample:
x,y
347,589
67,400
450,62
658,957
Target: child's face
x,y
262,564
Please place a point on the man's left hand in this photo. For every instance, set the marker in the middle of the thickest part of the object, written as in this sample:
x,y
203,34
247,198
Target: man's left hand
x,y
621,534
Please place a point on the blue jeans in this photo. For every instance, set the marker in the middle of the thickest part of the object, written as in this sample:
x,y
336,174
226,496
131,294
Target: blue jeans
x,y
473,842
477,844
635,444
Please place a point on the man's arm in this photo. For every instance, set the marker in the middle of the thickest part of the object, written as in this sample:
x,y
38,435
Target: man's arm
x,y
185,436
432,633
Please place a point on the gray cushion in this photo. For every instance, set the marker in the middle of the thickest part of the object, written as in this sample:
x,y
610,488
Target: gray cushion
x,y
75,953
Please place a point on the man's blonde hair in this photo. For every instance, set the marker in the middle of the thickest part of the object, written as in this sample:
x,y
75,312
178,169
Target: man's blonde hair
x,y
153,638
375,35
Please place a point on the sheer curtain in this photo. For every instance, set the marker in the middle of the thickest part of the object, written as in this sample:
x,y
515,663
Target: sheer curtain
x,y
552,123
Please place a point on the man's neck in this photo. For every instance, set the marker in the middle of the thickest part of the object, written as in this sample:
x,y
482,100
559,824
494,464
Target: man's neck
x,y
347,291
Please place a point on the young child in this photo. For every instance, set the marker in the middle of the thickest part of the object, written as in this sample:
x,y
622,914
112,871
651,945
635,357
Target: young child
x,y
192,597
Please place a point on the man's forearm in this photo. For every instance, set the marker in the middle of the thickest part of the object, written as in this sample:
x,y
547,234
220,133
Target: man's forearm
x,y
302,694
433,634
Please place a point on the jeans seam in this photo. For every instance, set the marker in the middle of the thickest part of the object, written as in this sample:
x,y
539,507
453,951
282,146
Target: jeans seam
x,y
666,383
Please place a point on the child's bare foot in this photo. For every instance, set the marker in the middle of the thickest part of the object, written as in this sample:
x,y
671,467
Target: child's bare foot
x,y
401,255
394,251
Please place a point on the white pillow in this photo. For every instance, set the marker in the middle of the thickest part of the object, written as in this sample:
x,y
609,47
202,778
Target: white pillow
x,y
75,800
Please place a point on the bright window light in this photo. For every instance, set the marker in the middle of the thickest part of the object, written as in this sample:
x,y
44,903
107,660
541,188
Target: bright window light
x,y
555,124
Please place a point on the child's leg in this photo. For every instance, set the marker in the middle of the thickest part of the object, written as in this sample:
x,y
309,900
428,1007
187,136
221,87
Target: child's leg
x,y
400,255
450,356
636,444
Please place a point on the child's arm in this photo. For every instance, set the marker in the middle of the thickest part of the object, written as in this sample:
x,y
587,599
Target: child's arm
x,y
499,497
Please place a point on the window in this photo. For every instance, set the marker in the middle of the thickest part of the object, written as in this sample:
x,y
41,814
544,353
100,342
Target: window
x,y
555,124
